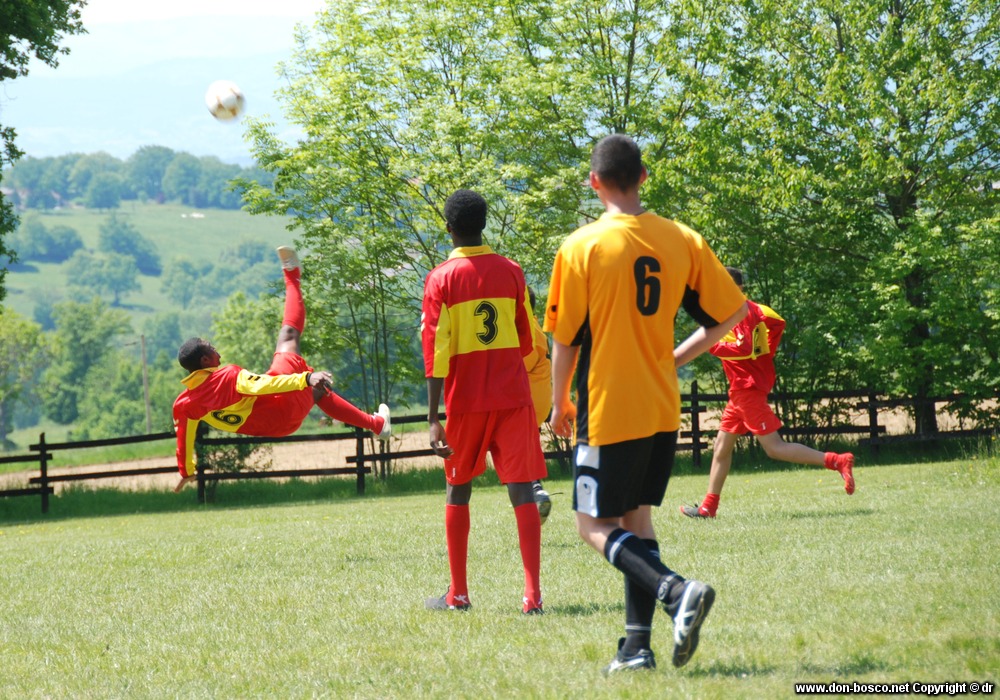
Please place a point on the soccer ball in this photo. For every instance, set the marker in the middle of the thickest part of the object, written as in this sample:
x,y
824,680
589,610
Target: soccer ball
x,y
225,100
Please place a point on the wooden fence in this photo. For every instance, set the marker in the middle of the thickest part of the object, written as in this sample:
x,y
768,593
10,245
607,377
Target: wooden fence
x,y
869,432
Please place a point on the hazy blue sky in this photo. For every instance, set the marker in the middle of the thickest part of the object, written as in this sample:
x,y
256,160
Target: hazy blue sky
x,y
139,75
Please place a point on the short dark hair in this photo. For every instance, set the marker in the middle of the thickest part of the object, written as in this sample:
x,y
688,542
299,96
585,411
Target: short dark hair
x,y
617,160
191,353
465,212
736,274
532,298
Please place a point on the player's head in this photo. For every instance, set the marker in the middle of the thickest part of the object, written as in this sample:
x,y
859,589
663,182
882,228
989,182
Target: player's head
x,y
465,213
617,161
531,298
193,351
736,274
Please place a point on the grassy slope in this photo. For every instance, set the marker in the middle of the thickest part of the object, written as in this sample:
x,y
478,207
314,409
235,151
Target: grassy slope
x,y
320,594
169,226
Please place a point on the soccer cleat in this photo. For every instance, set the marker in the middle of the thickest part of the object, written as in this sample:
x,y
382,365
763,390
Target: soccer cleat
x,y
845,465
696,512
386,432
289,259
695,603
532,608
642,659
543,502
461,603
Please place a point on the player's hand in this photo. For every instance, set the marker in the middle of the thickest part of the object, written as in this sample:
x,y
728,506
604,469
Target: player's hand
x,y
185,480
438,442
322,379
563,418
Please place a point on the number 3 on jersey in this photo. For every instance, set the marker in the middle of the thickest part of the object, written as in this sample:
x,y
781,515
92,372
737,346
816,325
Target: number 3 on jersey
x,y
647,285
489,314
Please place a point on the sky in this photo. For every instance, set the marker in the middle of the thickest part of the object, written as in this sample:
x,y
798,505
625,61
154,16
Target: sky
x,y
138,77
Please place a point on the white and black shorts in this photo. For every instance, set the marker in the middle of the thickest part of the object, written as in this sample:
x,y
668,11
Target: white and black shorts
x,y
611,480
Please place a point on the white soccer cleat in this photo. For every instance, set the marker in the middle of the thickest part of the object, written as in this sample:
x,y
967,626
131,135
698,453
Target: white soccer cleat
x,y
289,259
386,433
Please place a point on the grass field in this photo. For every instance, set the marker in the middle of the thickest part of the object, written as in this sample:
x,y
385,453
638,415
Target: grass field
x,y
305,590
169,226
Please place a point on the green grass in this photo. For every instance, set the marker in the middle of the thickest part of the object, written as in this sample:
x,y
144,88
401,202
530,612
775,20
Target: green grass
x,y
175,235
305,590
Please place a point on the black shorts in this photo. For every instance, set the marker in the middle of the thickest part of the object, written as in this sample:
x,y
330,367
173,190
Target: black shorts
x,y
612,480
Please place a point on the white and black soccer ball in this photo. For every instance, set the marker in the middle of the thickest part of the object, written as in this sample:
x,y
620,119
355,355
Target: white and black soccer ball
x,y
225,100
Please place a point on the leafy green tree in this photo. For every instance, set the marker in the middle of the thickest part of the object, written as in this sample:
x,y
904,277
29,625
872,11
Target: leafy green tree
x,y
29,30
181,179
854,178
88,167
117,237
84,334
115,275
182,279
104,191
145,170
23,355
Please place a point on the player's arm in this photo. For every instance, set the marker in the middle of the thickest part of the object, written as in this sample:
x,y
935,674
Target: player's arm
x,y
563,409
704,338
435,430
251,384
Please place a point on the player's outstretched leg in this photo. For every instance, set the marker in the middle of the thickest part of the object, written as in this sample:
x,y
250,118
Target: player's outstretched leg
x,y
843,463
340,409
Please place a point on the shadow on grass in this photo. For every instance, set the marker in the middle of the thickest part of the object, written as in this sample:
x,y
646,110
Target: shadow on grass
x,y
857,664
731,670
840,513
578,610
82,502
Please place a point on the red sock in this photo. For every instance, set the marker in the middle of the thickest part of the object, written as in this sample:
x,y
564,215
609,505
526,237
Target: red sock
x,y
295,308
830,461
529,536
346,412
711,503
456,529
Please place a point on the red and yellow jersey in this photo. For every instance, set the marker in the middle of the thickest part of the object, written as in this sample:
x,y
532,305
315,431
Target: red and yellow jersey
x,y
228,398
747,351
539,368
616,286
475,331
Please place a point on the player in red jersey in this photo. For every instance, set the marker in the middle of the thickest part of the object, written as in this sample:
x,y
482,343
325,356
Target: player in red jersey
x,y
747,355
475,331
272,404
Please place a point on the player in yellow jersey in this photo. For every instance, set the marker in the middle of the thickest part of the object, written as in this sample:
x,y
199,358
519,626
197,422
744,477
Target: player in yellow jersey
x,y
616,286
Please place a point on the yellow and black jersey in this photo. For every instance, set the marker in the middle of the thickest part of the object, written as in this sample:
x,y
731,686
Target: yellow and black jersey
x,y
616,286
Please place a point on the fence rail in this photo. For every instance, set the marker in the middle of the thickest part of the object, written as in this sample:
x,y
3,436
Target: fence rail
x,y
362,462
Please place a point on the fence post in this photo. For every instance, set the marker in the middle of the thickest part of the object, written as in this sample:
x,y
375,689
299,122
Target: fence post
x,y
199,472
43,472
695,426
873,433
359,436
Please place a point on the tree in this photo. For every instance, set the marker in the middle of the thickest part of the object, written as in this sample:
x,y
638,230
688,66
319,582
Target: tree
x,y
84,334
31,29
855,175
23,354
181,178
117,237
104,191
146,168
843,154
116,275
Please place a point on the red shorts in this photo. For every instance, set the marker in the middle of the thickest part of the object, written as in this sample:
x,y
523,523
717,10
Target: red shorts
x,y
277,415
749,412
510,435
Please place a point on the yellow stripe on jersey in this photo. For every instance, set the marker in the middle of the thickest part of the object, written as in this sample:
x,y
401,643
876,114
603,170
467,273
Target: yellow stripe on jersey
x,y
231,417
492,321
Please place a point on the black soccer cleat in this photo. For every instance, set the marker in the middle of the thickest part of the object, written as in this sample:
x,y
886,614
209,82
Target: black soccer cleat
x,y
642,659
694,605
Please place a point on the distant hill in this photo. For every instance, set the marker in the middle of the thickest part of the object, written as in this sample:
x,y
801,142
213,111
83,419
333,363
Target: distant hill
x,y
126,85
175,230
